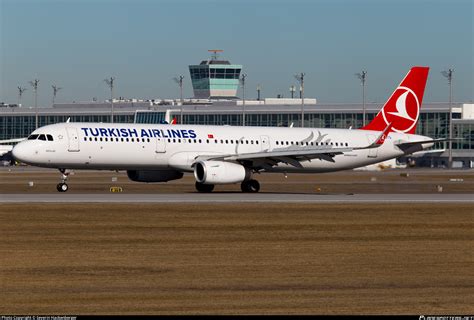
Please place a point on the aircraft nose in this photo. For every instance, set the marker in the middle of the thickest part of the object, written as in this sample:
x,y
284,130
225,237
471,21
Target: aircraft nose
x,y
21,153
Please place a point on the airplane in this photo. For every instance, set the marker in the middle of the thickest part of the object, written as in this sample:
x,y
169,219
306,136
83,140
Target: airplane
x,y
229,154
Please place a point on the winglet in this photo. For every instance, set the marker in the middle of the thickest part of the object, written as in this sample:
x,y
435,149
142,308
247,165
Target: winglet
x,y
381,138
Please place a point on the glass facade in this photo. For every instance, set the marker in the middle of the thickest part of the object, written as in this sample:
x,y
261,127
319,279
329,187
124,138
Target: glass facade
x,y
432,124
150,117
20,126
463,135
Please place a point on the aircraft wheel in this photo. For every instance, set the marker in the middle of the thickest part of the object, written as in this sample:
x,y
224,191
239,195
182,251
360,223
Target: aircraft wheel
x,y
62,187
204,188
250,186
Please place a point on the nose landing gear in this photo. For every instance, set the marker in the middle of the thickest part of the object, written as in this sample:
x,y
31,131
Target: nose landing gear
x,y
62,186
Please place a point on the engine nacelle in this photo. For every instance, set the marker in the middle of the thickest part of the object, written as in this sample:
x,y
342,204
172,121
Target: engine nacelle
x,y
153,175
220,172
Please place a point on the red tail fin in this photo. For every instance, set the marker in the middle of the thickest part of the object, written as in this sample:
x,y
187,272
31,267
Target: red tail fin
x,y
402,109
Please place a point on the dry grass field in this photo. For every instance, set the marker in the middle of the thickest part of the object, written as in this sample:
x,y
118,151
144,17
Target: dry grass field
x,y
236,259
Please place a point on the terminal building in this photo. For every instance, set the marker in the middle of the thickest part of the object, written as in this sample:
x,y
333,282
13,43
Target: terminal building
x,y
434,119
215,83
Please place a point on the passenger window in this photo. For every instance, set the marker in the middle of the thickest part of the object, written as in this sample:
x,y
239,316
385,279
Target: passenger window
x,y
90,138
148,139
95,138
251,141
33,137
207,140
106,139
200,141
85,139
256,141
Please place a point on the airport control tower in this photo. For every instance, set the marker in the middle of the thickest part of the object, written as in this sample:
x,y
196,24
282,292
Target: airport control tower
x,y
215,78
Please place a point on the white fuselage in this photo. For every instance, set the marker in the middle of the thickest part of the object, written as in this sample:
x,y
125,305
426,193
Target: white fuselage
x,y
139,146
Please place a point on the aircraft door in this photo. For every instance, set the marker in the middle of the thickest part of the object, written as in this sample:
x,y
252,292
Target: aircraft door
x,y
265,142
372,152
160,145
73,139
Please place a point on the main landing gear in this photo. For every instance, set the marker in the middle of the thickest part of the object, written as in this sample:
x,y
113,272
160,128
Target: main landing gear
x,y
250,186
62,186
204,188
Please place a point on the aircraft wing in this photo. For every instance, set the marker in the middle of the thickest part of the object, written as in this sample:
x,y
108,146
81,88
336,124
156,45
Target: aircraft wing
x,y
5,149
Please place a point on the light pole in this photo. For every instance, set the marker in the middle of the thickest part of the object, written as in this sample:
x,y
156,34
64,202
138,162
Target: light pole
x,y
259,89
292,91
110,83
179,81
449,75
242,81
300,78
20,93
34,84
55,92
362,76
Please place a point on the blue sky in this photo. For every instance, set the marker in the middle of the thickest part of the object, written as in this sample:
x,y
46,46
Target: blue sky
x,y
145,43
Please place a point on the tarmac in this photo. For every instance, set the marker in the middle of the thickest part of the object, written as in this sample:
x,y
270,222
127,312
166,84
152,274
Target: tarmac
x,y
237,197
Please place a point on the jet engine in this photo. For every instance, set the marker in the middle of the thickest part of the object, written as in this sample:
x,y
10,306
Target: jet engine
x,y
220,172
153,175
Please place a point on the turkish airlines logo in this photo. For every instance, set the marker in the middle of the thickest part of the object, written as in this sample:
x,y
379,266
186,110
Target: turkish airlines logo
x,y
402,110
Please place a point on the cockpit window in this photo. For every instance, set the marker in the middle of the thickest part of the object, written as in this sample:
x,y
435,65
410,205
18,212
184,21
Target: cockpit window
x,y
50,137
42,137
33,137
